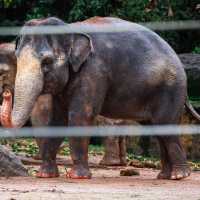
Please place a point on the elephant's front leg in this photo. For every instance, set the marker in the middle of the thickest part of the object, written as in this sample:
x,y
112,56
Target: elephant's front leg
x,y
84,106
41,115
49,146
79,145
79,155
48,151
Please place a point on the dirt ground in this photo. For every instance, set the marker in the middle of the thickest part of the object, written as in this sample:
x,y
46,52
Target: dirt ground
x,y
105,184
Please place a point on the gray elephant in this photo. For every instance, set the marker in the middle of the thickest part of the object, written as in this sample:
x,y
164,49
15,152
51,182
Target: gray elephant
x,y
129,75
42,110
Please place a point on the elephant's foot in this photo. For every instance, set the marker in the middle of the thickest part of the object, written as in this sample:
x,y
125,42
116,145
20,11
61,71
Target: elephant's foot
x,y
123,161
180,172
79,172
176,173
112,162
48,170
164,174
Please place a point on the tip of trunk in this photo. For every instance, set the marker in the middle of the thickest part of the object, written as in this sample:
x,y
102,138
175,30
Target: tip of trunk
x,y
6,109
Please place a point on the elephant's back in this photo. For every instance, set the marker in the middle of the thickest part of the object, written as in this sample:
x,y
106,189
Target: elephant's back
x,y
144,44
138,56
139,53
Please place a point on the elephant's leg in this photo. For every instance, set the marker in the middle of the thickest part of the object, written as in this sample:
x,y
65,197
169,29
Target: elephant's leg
x,y
79,145
173,157
48,151
177,158
166,169
50,146
79,155
41,115
122,147
112,151
84,106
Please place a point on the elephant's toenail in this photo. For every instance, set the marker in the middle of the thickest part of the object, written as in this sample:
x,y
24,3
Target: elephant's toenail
x,y
179,176
173,177
186,174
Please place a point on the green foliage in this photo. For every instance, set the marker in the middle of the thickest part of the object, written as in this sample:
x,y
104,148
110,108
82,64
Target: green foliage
x,y
96,149
28,146
196,50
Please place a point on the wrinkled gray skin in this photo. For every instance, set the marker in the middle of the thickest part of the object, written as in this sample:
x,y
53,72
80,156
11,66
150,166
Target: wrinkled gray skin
x,y
130,75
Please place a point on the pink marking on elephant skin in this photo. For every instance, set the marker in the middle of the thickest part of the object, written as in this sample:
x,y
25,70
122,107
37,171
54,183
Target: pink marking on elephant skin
x,y
6,109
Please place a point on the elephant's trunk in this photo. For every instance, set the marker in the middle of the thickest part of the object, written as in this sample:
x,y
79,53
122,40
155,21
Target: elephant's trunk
x,y
6,109
28,86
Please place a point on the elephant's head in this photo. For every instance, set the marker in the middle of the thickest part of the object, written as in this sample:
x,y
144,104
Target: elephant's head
x,y
43,63
8,67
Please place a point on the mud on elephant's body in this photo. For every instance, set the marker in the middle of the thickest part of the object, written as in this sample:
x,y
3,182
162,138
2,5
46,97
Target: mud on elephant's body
x,y
132,74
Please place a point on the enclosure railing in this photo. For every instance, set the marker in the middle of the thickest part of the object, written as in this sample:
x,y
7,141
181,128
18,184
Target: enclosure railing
x,y
100,131
86,28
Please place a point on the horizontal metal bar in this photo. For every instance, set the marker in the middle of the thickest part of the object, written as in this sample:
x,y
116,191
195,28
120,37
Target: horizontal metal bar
x,y
101,131
86,28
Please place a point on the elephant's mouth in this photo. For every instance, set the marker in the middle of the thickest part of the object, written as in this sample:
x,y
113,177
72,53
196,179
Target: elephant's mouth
x,y
56,78
50,83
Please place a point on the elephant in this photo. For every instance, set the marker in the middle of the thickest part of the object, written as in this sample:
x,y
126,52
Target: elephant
x,y
131,74
115,151
8,67
115,146
42,110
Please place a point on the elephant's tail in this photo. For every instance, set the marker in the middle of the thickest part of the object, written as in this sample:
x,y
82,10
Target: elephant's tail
x,y
191,110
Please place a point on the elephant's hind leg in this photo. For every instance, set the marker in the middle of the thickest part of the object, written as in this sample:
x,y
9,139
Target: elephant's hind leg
x,y
112,152
177,158
173,157
166,169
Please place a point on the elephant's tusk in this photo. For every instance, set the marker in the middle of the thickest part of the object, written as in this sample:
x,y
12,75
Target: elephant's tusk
x,y
6,109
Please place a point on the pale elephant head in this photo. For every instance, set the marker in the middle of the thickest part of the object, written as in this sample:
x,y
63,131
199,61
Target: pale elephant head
x,y
43,66
8,67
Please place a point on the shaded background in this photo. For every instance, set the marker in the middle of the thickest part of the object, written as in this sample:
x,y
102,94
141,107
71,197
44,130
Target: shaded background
x,y
16,12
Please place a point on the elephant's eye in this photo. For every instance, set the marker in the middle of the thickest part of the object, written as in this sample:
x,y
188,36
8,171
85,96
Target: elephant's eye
x,y
17,42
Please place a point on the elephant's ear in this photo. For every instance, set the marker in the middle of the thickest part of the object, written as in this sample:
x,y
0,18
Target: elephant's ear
x,y
81,48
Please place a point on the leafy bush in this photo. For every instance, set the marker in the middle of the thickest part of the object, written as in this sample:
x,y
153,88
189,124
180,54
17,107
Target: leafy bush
x,y
196,50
